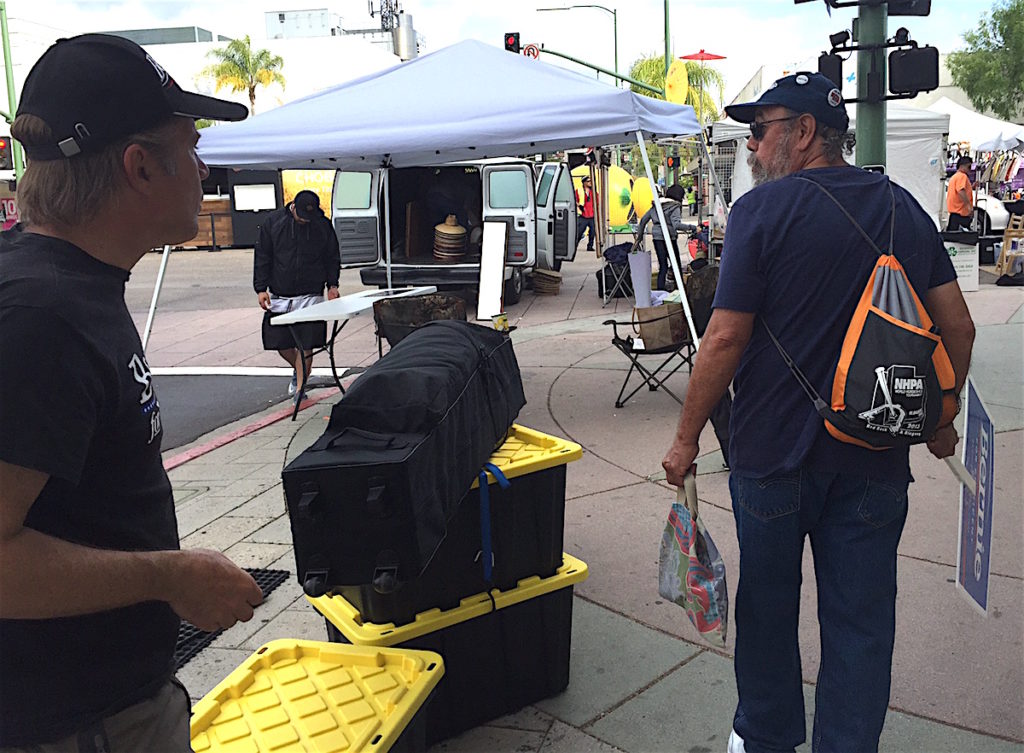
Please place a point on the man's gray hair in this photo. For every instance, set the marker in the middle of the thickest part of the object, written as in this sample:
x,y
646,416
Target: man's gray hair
x,y
838,144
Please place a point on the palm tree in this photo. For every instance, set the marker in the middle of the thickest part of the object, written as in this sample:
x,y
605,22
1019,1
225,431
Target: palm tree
x,y
703,82
238,67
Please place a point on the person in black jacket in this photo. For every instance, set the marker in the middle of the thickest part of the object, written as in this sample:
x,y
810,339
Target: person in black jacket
x,y
296,257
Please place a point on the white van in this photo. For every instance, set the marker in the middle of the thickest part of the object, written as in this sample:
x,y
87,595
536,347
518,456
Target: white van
x,y
536,202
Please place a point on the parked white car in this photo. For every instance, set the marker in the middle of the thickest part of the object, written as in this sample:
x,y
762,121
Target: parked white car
x,y
990,213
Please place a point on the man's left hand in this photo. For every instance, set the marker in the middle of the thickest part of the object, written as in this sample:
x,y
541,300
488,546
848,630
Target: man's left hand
x,y
332,293
678,461
943,442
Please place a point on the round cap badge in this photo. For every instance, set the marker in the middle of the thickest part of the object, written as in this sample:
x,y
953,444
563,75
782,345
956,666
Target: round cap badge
x,y
835,98
802,79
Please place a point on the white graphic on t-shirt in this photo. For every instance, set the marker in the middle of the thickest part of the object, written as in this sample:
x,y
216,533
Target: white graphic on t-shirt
x,y
142,375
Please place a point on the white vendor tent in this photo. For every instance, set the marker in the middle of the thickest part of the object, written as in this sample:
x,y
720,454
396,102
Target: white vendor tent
x,y
984,133
469,101
915,153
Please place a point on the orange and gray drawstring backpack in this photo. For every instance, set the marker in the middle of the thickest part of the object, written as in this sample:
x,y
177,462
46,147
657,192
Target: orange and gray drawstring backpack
x,y
894,383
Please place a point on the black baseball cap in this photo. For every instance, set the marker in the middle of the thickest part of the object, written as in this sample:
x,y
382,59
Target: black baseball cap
x,y
94,89
802,92
307,205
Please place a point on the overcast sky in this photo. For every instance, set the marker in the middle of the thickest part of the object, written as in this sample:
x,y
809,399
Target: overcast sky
x,y
750,33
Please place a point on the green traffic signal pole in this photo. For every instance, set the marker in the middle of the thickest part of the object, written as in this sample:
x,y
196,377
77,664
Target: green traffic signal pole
x,y
11,101
668,55
641,84
871,85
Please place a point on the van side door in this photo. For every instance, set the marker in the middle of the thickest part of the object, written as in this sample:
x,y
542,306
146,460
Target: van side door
x,y
509,198
354,213
546,175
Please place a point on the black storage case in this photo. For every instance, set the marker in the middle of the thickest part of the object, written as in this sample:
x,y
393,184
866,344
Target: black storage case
x,y
527,524
497,663
370,501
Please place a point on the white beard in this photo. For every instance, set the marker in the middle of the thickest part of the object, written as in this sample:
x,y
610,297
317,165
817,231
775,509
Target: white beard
x,y
777,167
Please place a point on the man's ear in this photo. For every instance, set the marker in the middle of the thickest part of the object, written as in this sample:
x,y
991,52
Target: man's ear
x,y
807,130
138,165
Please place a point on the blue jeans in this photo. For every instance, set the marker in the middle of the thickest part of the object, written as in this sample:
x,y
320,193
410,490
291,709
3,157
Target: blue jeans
x,y
854,525
585,224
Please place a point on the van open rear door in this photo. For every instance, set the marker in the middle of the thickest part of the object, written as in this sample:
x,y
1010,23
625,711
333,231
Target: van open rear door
x,y
564,213
509,198
355,217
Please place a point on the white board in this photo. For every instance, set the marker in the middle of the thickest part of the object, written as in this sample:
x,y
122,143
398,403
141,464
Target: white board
x,y
492,270
255,197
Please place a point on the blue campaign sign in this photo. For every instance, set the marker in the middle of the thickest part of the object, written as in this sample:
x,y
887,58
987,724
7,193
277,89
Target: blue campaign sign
x,y
975,549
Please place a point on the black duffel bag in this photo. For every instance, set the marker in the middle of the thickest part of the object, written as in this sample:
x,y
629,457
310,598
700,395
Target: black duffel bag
x,y
369,502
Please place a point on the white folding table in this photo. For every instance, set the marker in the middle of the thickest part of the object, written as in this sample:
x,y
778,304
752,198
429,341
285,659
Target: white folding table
x,y
338,312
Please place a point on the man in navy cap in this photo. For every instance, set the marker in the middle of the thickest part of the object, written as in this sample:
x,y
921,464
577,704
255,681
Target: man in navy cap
x,y
93,584
794,261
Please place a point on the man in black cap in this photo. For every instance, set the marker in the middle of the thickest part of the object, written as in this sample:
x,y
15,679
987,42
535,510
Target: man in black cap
x,y
92,581
296,257
793,260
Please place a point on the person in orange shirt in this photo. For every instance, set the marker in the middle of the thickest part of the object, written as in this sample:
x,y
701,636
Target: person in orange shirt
x,y
959,197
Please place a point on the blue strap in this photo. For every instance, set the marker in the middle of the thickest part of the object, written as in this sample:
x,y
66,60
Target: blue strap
x,y
485,515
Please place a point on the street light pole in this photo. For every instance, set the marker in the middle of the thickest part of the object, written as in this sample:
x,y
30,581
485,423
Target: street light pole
x,y
615,28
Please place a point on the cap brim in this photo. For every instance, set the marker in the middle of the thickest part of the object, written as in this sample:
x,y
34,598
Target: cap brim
x,y
744,113
192,105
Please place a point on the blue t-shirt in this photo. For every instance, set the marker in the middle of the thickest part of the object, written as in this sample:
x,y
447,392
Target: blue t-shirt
x,y
792,257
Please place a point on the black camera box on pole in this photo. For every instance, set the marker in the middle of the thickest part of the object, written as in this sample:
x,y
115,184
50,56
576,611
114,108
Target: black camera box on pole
x,y
369,502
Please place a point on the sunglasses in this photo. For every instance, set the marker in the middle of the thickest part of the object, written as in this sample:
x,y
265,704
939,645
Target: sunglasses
x,y
757,130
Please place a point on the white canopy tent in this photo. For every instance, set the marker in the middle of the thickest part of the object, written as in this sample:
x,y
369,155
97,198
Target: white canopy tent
x,y
469,101
915,151
984,133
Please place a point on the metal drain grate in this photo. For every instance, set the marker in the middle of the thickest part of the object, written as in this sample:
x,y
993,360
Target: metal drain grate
x,y
192,640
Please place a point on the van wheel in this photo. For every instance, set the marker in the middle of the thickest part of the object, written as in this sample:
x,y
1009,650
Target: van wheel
x,y
984,226
514,286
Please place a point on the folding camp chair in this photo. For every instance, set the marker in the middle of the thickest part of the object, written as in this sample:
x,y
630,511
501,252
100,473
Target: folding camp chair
x,y
614,280
673,357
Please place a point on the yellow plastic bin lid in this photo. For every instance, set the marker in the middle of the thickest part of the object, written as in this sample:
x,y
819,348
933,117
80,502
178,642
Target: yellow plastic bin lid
x,y
314,696
528,451
347,620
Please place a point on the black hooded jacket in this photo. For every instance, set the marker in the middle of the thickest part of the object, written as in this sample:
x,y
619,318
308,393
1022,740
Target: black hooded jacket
x,y
293,258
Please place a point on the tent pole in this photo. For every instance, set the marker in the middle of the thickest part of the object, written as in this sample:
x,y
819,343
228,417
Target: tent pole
x,y
387,222
156,296
666,234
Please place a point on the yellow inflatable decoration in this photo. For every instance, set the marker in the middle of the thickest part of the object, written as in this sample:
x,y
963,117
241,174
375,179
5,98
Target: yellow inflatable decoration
x,y
643,197
676,83
619,183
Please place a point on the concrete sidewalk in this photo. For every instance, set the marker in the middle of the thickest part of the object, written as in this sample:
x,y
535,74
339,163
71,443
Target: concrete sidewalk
x,y
641,678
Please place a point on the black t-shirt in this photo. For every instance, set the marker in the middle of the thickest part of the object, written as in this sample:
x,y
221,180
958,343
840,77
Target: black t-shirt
x,y
77,402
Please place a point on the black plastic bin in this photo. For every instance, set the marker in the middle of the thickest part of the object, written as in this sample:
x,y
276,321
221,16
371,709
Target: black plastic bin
x,y
500,654
527,524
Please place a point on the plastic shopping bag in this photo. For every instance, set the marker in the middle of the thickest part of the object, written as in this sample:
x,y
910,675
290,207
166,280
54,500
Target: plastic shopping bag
x,y
691,572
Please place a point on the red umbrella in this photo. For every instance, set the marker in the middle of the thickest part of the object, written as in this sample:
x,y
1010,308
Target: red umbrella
x,y
702,56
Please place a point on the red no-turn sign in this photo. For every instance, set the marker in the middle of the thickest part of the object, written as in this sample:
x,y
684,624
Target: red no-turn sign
x,y
531,51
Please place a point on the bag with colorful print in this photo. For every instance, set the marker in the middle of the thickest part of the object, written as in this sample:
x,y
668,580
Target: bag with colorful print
x,y
691,572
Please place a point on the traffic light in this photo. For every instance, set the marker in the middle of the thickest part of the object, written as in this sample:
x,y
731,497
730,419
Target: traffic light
x,y
6,160
831,67
914,70
512,41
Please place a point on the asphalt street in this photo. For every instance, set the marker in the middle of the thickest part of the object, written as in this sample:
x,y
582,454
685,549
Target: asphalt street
x,y
191,406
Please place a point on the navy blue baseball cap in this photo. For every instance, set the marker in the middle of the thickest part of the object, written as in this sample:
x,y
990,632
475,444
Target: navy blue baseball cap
x,y
802,92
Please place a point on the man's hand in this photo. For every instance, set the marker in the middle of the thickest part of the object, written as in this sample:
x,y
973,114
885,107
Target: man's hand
x,y
678,461
943,442
209,590
333,293
264,300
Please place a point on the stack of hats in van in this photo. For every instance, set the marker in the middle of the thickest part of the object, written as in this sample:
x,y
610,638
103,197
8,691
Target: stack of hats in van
x,y
450,240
